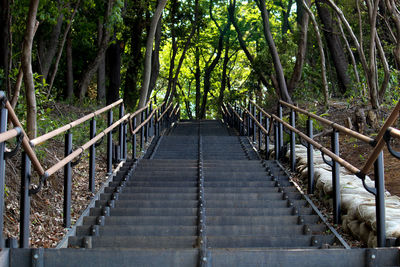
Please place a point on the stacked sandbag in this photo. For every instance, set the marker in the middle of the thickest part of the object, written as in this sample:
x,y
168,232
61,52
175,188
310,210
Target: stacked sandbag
x,y
357,205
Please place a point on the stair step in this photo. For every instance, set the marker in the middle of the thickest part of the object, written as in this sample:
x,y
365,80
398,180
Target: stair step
x,y
146,212
149,196
261,220
256,211
143,220
139,230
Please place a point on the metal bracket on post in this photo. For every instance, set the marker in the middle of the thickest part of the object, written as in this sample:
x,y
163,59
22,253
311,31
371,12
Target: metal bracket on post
x,y
37,257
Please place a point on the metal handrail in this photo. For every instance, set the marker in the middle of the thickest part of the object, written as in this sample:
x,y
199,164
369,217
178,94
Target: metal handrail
x,y
82,148
47,136
334,125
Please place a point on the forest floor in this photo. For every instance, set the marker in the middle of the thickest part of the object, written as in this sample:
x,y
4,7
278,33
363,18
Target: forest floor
x,y
47,206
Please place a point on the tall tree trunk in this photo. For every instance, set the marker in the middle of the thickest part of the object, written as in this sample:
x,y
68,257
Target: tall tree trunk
x,y
149,49
114,71
197,77
26,61
155,59
47,45
274,53
70,71
61,47
131,91
5,16
301,52
224,75
335,47
93,66
174,48
101,71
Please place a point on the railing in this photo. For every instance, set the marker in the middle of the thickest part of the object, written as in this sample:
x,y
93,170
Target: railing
x,y
248,122
152,122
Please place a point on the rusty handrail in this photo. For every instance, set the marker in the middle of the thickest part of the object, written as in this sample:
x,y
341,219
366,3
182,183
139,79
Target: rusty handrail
x,y
260,109
334,125
82,148
10,134
47,136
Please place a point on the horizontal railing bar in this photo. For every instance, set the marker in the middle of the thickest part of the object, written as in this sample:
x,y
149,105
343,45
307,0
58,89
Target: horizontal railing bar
x,y
173,110
260,109
25,140
165,111
394,132
177,111
138,111
82,148
234,112
10,134
145,121
334,125
317,145
256,121
45,137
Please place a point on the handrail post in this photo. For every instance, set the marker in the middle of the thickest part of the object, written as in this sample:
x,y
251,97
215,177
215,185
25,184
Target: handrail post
x,y
260,118
310,158
151,127
335,177
276,140
92,156
3,128
141,132
292,141
121,134
267,138
254,125
67,181
380,200
109,143
242,123
146,126
280,130
248,121
125,150
25,204
134,140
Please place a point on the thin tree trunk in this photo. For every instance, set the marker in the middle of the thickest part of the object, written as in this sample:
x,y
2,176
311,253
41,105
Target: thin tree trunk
x,y
92,68
301,53
101,71
5,16
274,53
149,49
61,48
114,71
321,52
224,75
155,59
197,77
70,71
27,69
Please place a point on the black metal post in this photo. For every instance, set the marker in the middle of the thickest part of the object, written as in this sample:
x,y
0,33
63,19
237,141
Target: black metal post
x,y
267,138
3,128
280,130
310,158
67,181
151,124
25,201
109,143
146,126
125,151
92,157
292,142
121,134
254,125
248,121
379,177
142,132
335,178
260,119
242,124
134,140
276,140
